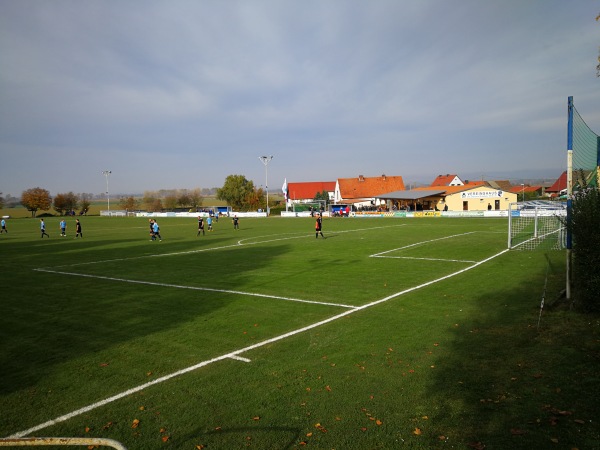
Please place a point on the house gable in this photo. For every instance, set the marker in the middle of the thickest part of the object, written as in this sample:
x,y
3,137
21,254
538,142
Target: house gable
x,y
447,180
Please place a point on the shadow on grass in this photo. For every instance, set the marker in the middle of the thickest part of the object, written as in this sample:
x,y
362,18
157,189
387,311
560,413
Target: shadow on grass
x,y
49,319
508,384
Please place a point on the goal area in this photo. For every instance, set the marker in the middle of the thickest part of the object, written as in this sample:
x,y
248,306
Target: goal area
x,y
537,224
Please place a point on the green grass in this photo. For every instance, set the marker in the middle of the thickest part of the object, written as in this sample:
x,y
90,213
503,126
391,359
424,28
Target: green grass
x,y
454,364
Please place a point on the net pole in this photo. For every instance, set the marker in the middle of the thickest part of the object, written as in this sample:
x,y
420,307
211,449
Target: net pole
x,y
535,223
510,225
569,192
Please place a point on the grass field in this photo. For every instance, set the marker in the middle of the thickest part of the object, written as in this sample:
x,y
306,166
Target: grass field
x,y
390,333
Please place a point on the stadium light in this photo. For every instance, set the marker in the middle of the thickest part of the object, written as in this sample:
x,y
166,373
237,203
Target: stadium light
x,y
265,160
106,173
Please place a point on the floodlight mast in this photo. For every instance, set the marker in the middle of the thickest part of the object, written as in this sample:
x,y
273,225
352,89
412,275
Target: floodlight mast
x,y
265,160
106,173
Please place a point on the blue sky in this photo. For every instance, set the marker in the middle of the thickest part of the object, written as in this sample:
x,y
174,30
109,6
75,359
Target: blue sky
x,y
180,94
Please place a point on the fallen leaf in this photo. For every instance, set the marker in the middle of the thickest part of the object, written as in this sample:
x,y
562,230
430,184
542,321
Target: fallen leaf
x,y
308,434
199,447
165,438
141,408
107,426
103,364
379,422
442,437
148,374
417,432
363,429
555,440
256,418
327,388
87,429
135,423
476,445
582,422
162,430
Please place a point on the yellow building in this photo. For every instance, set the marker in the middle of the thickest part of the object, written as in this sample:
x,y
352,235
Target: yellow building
x,y
469,197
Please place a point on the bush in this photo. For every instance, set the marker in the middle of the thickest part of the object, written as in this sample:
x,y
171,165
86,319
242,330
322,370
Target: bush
x,y
585,229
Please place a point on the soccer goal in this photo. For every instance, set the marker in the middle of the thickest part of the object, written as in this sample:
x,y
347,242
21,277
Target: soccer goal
x,y
537,224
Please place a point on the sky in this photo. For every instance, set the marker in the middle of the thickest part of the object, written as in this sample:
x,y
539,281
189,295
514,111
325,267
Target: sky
x,y
180,94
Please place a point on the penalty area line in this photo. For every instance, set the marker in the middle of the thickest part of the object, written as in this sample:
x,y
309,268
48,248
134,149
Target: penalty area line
x,y
196,288
427,259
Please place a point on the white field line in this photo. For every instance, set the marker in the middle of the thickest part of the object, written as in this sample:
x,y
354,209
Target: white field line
x,y
240,351
376,255
195,288
427,259
332,232
241,358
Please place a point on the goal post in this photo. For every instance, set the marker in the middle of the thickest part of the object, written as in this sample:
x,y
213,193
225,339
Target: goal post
x,y
537,224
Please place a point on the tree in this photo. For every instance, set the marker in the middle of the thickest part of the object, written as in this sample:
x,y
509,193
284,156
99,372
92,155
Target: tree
x,y
235,191
255,199
156,205
129,203
65,203
196,198
149,200
584,225
1,201
324,195
598,66
183,198
84,202
36,199
170,202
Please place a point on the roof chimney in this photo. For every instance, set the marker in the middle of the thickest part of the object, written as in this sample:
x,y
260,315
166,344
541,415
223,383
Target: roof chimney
x,y
384,177
361,178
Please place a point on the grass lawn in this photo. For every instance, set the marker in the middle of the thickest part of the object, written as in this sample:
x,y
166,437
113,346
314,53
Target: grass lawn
x,y
390,333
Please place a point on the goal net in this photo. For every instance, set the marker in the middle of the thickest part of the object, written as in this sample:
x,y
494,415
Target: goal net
x,y
537,224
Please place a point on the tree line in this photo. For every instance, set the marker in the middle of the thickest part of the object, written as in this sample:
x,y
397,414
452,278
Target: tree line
x,y
39,199
237,191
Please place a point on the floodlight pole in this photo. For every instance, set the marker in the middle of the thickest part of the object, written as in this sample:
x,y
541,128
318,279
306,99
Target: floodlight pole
x,y
265,160
106,173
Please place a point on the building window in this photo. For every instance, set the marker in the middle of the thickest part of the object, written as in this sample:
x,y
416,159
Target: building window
x,y
465,205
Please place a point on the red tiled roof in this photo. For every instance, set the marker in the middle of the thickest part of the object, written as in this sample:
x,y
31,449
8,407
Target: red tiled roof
x,y
448,189
308,190
559,184
369,187
528,189
443,180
